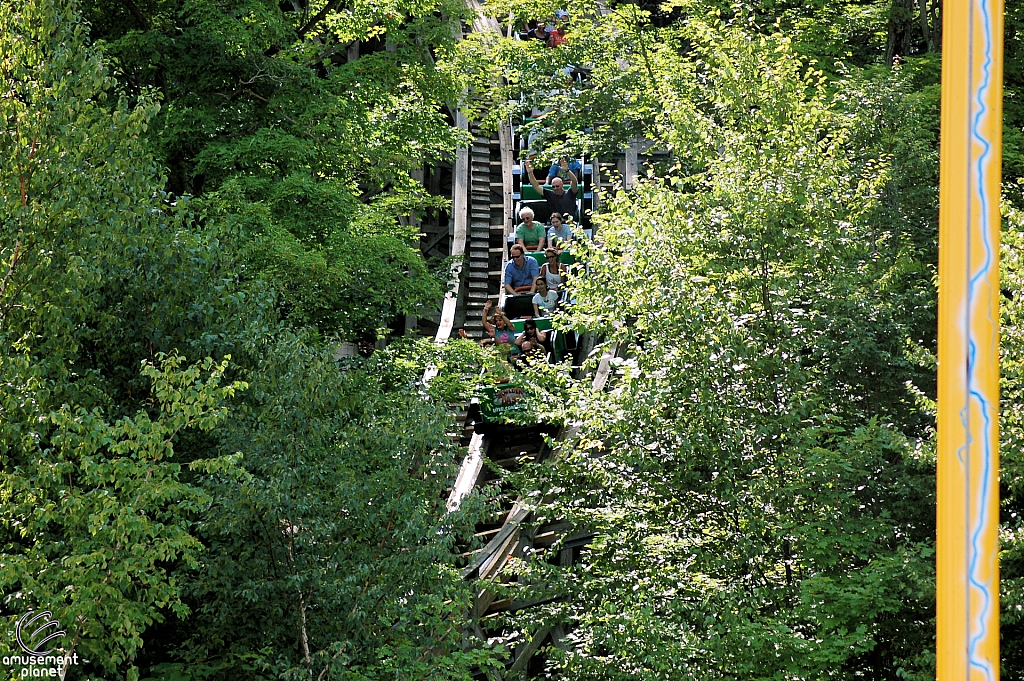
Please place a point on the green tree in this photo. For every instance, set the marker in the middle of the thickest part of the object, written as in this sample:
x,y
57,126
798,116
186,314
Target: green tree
x,y
150,512
96,513
100,276
312,153
332,556
759,475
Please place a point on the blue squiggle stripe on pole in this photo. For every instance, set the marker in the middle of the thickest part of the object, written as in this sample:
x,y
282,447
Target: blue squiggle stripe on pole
x,y
979,278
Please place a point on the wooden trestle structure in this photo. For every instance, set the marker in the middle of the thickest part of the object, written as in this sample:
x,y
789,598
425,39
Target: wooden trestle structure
x,y
484,193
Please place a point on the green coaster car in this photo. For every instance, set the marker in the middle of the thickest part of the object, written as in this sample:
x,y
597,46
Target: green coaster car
x,y
503,403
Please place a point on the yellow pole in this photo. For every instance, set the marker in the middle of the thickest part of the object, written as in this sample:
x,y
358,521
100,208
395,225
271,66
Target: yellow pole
x,y
967,589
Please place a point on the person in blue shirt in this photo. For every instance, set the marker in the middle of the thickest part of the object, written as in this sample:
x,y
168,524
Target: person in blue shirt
x,y
520,272
560,234
556,170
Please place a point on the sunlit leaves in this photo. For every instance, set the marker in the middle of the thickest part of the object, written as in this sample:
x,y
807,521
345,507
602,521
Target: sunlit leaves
x,y
754,471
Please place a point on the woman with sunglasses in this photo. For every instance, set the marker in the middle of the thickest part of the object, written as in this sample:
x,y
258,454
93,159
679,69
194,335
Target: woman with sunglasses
x,y
552,271
531,339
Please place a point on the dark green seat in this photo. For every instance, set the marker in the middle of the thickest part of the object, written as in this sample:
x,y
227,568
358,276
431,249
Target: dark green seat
x,y
530,194
519,305
543,324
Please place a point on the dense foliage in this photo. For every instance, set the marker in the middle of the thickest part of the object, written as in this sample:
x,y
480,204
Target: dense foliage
x,y
197,199
761,474
310,151
191,482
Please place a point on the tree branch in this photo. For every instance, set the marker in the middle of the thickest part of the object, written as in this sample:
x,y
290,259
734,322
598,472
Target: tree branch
x,y
10,273
318,17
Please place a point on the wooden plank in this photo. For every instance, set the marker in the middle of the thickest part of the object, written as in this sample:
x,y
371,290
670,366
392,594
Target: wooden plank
x,y
483,602
504,540
523,656
434,241
487,533
494,562
629,173
604,369
459,210
516,516
460,195
507,159
468,472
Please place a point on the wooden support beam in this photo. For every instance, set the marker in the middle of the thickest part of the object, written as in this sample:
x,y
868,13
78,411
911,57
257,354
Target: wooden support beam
x,y
468,472
532,646
434,240
516,516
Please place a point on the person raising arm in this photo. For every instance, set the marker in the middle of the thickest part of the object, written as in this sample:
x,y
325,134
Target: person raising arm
x,y
558,199
574,184
573,166
501,331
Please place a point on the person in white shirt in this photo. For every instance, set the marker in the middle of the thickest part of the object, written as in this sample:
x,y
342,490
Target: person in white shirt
x,y
544,300
552,271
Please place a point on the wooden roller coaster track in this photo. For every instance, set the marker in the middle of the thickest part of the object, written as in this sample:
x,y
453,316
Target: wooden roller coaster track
x,y
483,218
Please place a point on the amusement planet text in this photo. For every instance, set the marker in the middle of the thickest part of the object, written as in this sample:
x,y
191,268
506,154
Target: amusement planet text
x,y
35,666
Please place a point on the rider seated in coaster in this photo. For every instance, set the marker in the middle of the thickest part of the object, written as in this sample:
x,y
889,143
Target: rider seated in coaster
x,y
559,200
501,332
520,271
530,340
544,300
556,36
539,31
530,233
560,234
552,271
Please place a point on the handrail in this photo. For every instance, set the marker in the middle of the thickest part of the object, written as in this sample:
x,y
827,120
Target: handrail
x,y
460,191
460,199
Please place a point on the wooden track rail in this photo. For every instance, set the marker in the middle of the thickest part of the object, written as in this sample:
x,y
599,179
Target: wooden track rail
x,y
484,219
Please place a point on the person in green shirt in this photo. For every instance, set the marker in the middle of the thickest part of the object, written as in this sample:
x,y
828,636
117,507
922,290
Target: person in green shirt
x,y
530,234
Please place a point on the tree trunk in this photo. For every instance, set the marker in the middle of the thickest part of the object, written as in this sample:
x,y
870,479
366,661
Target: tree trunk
x,y
901,22
925,29
935,14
